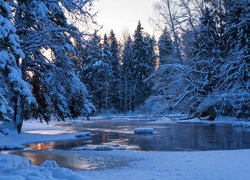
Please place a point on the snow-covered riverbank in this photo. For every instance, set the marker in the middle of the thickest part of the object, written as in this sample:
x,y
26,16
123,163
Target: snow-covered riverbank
x,y
228,165
34,131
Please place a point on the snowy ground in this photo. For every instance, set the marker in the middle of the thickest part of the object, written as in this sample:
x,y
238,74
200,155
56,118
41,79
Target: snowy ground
x,y
34,131
228,165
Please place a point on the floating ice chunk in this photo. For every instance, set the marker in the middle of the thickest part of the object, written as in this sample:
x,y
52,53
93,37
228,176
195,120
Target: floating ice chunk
x,y
144,130
100,148
103,148
83,135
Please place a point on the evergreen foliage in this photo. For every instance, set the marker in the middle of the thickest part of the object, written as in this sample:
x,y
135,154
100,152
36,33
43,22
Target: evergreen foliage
x,y
14,90
141,68
166,47
215,78
49,44
94,70
43,28
45,61
127,75
116,83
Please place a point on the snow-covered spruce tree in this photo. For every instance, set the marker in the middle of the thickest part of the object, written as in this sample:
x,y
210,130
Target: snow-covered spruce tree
x,y
15,93
107,59
116,82
166,47
47,41
141,67
233,98
151,61
151,46
208,39
206,65
93,72
127,65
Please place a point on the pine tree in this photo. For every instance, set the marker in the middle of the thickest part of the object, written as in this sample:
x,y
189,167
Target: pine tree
x,y
235,75
166,47
206,58
141,69
107,59
14,91
116,70
94,70
151,55
43,27
207,43
127,65
151,62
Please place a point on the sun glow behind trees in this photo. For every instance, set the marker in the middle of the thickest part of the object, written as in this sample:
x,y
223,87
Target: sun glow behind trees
x,y
206,61
123,15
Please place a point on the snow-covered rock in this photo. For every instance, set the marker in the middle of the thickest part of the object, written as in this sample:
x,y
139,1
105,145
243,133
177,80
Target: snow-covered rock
x,y
144,130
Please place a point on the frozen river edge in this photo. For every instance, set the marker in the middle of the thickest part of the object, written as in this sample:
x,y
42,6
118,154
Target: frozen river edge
x,y
149,165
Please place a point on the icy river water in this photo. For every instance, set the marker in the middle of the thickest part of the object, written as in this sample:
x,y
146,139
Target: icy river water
x,y
119,133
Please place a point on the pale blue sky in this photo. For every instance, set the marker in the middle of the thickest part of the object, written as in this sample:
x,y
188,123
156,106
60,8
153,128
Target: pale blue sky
x,y
121,15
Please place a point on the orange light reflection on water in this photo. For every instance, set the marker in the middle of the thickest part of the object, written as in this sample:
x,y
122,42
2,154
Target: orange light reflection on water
x,y
41,146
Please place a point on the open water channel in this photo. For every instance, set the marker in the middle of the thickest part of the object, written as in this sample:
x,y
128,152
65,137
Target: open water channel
x,y
119,133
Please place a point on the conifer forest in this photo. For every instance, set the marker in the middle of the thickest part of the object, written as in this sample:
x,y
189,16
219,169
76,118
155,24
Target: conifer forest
x,y
124,89
53,63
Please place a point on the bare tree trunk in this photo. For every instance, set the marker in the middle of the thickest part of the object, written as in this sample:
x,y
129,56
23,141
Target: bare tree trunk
x,y
20,99
187,8
20,114
106,93
126,94
174,31
20,102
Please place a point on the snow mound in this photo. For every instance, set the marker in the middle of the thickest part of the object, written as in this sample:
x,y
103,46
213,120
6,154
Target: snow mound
x,y
83,135
100,148
49,164
13,167
144,131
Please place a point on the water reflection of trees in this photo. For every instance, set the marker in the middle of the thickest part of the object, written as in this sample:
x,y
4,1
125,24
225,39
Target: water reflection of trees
x,y
193,137
167,137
